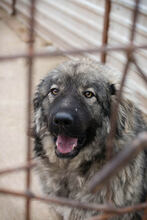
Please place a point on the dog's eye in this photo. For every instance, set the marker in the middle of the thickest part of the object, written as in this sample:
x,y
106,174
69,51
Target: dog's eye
x,y
88,94
54,91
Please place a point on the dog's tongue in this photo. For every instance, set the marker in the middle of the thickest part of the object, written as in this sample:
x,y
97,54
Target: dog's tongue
x,y
66,144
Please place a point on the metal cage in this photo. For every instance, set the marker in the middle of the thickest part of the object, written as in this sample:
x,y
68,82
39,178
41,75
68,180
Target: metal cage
x,y
114,165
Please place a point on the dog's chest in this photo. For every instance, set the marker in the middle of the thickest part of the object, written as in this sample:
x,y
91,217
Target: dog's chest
x,y
66,184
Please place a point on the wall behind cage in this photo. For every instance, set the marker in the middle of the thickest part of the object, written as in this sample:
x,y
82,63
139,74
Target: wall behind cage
x,y
79,24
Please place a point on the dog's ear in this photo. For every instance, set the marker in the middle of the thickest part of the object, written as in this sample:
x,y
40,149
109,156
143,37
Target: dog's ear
x,y
112,89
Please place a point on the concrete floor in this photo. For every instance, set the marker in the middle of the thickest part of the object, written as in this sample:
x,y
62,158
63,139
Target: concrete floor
x,y
13,117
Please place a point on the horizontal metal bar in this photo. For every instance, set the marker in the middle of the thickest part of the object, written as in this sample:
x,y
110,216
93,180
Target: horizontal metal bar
x,y
17,168
76,204
126,48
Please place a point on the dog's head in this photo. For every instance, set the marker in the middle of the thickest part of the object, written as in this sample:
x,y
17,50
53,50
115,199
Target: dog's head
x,y
73,104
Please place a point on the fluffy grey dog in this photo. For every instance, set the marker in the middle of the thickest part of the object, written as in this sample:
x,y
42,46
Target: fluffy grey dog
x,y
72,108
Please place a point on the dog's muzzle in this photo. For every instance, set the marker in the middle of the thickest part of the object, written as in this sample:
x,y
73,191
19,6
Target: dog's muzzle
x,y
67,131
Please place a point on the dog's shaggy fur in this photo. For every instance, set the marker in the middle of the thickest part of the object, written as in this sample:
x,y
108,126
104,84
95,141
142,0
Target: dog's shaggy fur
x,y
72,108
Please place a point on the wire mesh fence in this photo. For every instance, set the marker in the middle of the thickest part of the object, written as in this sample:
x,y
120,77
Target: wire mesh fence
x,y
113,165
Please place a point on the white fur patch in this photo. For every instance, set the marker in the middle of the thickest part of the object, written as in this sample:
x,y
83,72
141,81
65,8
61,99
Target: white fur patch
x,y
38,120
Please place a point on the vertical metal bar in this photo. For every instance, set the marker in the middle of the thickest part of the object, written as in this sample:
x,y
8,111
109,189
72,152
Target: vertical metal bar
x,y
135,17
119,95
115,108
13,7
106,28
29,97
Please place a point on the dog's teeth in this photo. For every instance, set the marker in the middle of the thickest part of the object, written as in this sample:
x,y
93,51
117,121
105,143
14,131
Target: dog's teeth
x,y
73,146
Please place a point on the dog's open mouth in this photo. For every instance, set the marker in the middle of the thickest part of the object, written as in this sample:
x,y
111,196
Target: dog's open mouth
x,y
68,146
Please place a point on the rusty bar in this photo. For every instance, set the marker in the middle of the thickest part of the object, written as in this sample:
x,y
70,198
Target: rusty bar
x,y
29,97
17,168
76,204
115,108
118,162
140,71
132,39
13,8
135,17
106,28
127,48
61,201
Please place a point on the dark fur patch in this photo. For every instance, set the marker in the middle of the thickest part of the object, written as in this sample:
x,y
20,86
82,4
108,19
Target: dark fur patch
x,y
38,148
112,89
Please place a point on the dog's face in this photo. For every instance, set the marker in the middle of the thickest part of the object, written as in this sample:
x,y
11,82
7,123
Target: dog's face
x,y
73,103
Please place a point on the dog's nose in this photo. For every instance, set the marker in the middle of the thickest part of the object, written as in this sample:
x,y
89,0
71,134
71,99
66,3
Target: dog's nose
x,y
63,118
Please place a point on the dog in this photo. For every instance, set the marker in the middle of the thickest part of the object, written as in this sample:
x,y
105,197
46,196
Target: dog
x,y
72,110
